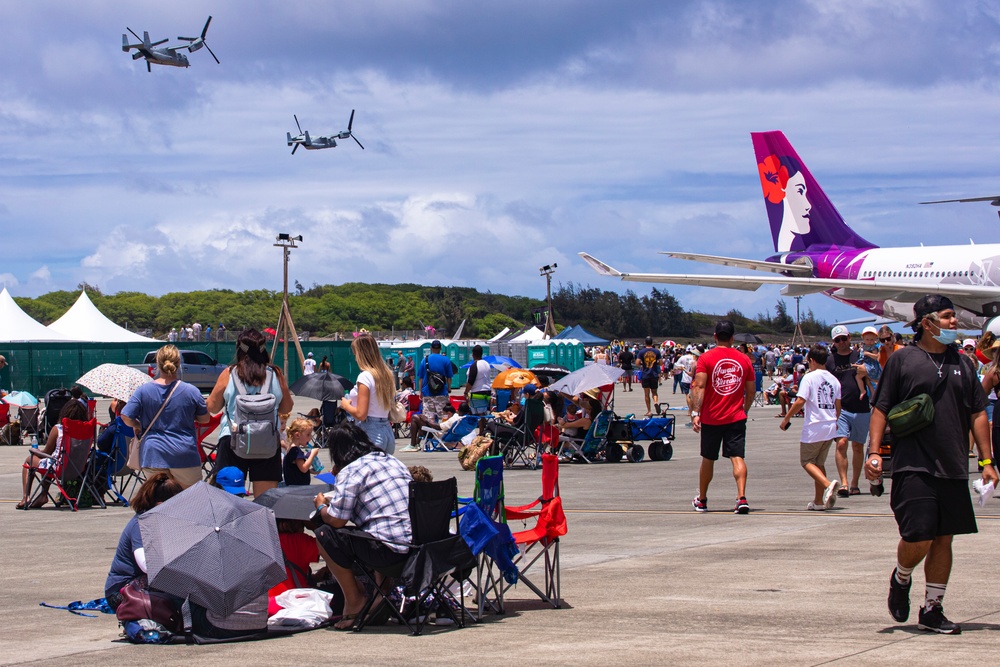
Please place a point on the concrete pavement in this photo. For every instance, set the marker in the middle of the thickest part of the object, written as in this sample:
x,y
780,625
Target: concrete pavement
x,y
645,579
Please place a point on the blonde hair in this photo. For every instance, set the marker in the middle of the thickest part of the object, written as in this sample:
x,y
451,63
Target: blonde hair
x,y
168,359
297,426
369,359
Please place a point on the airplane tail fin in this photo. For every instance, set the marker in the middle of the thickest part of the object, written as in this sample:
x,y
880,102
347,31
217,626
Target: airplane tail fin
x,y
799,212
125,46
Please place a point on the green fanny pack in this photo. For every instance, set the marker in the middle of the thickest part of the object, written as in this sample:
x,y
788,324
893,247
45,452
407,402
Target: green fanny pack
x,y
911,415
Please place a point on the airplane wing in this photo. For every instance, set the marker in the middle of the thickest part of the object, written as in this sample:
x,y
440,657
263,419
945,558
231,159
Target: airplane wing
x,y
847,289
995,200
753,264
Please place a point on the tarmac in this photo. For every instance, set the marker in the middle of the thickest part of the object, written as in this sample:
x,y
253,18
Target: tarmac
x,y
645,579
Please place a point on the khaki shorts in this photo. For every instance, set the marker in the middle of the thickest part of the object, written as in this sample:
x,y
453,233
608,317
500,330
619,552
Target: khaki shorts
x,y
185,476
814,452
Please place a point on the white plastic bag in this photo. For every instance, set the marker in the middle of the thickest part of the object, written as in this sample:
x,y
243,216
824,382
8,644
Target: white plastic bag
x,y
302,608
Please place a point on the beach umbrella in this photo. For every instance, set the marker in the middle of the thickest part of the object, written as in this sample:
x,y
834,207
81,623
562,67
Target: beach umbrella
x,y
321,386
588,377
208,545
114,380
21,399
292,502
514,378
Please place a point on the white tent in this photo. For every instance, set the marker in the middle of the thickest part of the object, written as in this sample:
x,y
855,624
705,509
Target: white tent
x,y
531,335
85,322
16,326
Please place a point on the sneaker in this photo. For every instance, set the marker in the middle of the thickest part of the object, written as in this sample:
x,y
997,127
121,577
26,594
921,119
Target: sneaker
x,y
899,599
700,504
830,495
814,507
742,506
934,620
410,448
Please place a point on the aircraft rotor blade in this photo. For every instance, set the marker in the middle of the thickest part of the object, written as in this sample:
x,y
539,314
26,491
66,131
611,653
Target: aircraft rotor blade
x,y
295,148
149,67
133,33
297,123
350,123
359,143
204,30
210,51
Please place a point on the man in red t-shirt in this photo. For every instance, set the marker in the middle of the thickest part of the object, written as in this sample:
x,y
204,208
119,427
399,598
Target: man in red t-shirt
x,y
723,390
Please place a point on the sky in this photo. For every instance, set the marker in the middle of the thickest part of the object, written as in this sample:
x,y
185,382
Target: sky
x,y
499,137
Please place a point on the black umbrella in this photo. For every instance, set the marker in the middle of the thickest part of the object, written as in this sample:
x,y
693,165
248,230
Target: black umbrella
x,y
321,386
553,371
292,502
219,550
747,338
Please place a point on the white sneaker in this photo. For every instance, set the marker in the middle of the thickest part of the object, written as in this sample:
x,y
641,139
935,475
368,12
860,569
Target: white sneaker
x,y
814,507
410,448
830,495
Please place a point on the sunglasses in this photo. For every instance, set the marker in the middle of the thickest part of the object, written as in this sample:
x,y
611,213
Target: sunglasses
x,y
840,339
886,340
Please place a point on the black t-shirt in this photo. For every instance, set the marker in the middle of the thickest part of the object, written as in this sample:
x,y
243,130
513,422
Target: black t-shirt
x,y
941,449
852,399
294,476
625,358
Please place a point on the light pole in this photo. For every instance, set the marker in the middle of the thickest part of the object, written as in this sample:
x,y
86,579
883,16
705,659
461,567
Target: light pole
x,y
550,324
286,242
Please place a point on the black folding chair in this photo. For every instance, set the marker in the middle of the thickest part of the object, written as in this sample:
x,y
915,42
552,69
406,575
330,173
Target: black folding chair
x,y
518,444
436,556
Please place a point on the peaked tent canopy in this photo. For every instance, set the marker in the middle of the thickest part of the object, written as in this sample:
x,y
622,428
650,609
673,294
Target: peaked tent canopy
x,y
529,335
16,326
582,335
85,322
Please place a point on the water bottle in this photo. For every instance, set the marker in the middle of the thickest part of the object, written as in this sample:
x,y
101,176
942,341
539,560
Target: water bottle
x,y
34,441
317,466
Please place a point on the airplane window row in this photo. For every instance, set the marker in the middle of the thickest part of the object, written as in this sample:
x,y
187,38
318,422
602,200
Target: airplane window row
x,y
917,274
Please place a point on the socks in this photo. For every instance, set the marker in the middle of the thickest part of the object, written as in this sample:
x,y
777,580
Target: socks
x,y
903,574
933,595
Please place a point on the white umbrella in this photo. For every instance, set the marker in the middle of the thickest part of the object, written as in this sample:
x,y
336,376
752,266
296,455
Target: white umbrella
x,y
588,377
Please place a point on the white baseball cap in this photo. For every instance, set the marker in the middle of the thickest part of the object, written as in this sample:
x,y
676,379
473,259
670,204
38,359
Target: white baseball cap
x,y
871,330
840,330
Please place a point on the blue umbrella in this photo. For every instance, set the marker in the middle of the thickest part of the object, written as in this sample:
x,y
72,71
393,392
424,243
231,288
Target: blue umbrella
x,y
497,361
22,399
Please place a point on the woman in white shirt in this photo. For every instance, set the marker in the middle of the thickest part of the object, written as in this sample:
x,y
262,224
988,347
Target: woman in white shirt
x,y
373,394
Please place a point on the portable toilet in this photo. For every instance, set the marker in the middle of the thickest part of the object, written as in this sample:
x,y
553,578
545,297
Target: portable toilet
x,y
540,353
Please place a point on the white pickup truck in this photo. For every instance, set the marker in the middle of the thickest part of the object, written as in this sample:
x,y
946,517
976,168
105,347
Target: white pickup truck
x,y
197,368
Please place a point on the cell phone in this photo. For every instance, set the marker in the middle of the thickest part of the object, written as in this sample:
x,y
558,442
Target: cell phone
x,y
784,427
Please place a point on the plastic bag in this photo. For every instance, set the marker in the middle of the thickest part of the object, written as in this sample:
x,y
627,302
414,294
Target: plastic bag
x,y
302,608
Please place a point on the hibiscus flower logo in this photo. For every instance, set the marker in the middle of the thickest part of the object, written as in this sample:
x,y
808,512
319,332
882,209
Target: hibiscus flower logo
x,y
773,178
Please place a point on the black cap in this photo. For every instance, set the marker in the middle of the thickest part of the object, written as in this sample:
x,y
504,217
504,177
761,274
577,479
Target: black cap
x,y
932,303
436,345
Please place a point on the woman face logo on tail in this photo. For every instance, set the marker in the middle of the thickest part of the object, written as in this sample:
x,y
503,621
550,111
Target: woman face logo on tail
x,y
785,193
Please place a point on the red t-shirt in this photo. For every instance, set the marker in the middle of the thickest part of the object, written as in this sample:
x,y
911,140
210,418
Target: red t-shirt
x,y
728,372
301,549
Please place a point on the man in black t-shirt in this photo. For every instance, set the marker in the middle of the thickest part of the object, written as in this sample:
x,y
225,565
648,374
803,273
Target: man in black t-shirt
x,y
930,468
625,359
852,425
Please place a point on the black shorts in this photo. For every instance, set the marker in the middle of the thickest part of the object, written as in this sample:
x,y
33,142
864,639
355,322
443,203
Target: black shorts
x,y
257,470
345,545
732,438
927,507
651,382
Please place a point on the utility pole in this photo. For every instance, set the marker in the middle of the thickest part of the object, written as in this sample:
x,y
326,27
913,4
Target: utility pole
x,y
550,323
285,326
797,336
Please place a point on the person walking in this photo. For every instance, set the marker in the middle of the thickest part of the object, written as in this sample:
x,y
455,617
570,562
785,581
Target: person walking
x,y
930,466
819,394
625,359
373,394
167,408
309,365
477,386
852,426
649,367
721,396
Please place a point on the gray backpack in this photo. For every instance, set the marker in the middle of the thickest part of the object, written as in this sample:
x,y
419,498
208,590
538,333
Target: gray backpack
x,y
254,427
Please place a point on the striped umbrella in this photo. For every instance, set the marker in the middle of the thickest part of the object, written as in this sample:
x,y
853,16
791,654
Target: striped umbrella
x,y
114,380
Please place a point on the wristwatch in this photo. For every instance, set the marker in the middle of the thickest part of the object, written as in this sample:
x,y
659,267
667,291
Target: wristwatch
x,y
323,506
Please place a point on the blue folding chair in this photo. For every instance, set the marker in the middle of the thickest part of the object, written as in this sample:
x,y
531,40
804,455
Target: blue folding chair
x,y
121,480
503,399
436,440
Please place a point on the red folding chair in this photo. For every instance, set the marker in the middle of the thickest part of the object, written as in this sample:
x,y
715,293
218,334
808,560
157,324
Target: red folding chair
x,y
207,452
67,464
541,543
4,414
547,435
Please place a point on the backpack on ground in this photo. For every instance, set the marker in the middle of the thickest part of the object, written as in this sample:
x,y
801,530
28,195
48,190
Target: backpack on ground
x,y
254,428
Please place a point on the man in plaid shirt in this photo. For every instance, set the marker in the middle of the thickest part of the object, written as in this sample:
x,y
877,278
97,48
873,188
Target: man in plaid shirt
x,y
373,493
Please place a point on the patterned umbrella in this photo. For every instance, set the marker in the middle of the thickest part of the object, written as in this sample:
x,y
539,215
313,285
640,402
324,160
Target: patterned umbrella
x,y
292,502
114,380
513,377
21,399
219,550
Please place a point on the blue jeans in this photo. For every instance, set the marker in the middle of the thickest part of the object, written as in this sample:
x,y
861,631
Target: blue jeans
x,y
379,431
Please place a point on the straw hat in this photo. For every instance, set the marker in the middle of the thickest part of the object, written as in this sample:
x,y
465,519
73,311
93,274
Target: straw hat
x,y
594,393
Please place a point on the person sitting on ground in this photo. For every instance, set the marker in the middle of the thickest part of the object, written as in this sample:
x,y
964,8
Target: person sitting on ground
x,y
373,493
74,410
300,551
298,462
129,562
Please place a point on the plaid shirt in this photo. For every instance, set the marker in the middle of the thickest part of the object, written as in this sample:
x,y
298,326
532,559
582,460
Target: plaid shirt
x,y
373,493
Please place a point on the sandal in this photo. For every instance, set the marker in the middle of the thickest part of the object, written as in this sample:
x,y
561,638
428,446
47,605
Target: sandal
x,y
346,617
21,505
843,492
855,491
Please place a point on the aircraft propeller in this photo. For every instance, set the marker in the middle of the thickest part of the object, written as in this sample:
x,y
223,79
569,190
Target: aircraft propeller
x,y
198,42
345,135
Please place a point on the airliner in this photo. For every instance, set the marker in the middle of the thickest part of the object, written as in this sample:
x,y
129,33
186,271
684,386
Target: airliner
x,y
816,252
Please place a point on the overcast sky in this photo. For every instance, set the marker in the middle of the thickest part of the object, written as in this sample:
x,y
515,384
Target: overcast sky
x,y
499,136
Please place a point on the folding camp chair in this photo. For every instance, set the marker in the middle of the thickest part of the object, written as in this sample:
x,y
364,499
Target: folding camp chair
x,y
436,440
518,444
547,436
414,405
28,415
541,543
65,466
758,398
436,554
10,431
484,527
110,466
207,452
502,400
592,445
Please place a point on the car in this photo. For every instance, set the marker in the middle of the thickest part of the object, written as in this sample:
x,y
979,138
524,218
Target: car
x,y
197,368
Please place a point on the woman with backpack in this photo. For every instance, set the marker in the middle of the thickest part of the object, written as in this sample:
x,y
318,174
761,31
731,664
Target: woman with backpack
x,y
373,395
250,439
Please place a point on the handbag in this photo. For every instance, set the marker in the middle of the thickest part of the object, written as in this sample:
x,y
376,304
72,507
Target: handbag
x,y
912,415
397,413
138,603
479,448
135,444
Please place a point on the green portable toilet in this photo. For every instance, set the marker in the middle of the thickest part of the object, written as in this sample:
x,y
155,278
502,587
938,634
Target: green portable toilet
x,y
540,353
